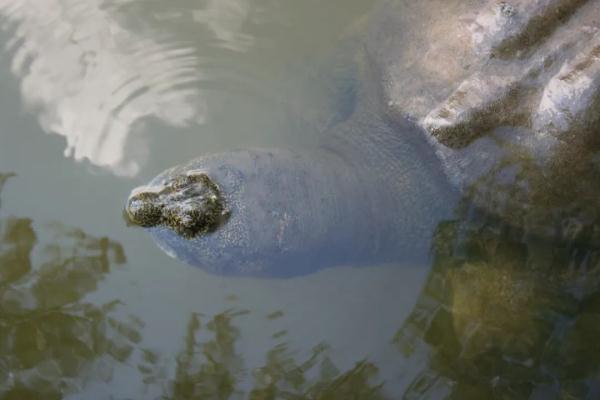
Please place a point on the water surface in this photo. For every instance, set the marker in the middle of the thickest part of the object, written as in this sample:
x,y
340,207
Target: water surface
x,y
99,96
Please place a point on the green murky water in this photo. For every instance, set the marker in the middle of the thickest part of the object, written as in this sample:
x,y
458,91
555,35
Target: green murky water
x,y
99,96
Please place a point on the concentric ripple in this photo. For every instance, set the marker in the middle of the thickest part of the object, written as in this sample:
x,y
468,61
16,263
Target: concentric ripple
x,y
89,78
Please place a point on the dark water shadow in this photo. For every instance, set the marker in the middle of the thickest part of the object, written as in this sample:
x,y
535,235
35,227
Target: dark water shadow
x,y
511,308
507,313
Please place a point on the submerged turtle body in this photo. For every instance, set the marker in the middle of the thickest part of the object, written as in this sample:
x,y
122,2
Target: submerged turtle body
x,y
476,103
507,94
283,213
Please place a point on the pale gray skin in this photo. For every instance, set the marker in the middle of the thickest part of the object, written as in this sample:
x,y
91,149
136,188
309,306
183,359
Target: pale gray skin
x,y
434,116
366,196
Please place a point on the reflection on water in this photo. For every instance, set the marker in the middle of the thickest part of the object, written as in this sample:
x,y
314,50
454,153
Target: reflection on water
x,y
51,340
216,377
214,369
225,20
506,315
96,71
3,179
89,78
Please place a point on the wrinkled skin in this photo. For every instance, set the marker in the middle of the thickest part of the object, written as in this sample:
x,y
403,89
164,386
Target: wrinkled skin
x,y
474,101
293,212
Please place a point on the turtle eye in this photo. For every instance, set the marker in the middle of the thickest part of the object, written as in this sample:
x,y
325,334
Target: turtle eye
x,y
195,216
198,177
183,182
179,182
149,197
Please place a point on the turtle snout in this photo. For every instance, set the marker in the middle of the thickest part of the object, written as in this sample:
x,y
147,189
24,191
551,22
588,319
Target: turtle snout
x,y
191,204
144,209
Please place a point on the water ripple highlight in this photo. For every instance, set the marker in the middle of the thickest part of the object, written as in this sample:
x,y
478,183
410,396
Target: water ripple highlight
x,y
90,79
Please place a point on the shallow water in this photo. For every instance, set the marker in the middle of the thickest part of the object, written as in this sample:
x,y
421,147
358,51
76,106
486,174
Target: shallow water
x,y
99,96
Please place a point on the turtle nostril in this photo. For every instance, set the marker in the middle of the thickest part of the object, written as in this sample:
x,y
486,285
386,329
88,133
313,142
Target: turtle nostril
x,y
143,210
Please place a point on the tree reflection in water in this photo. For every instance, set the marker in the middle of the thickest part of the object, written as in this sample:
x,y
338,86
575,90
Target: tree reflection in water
x,y
217,376
52,342
506,314
214,370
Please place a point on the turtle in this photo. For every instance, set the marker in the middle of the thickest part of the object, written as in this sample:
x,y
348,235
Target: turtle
x,y
288,212
494,102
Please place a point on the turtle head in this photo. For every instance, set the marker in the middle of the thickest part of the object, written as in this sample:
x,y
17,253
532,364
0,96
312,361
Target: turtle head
x,y
261,212
190,204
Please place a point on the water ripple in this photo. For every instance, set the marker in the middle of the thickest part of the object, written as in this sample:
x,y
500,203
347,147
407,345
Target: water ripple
x,y
89,78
